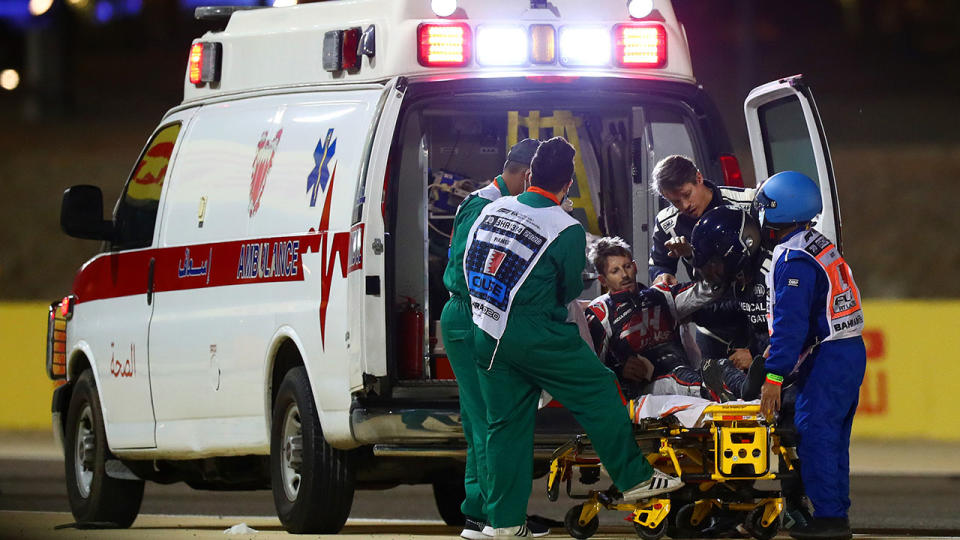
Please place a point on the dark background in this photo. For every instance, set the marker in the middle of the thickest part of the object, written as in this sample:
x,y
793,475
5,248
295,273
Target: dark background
x,y
884,73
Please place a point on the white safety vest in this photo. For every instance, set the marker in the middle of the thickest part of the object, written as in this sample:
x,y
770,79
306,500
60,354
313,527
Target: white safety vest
x,y
504,245
842,310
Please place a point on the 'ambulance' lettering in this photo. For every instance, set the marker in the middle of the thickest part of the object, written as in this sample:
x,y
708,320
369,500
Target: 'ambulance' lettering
x,y
266,260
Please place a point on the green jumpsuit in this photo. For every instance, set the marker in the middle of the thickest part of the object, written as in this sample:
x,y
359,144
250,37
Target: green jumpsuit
x,y
456,326
539,350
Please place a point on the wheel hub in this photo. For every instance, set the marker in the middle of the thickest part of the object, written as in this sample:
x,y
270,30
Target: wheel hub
x,y
291,453
85,453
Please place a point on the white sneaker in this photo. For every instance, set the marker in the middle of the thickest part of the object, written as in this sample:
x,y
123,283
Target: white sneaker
x,y
488,530
658,484
520,531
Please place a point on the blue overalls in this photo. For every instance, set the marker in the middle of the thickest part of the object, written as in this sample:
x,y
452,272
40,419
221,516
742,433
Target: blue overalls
x,y
816,323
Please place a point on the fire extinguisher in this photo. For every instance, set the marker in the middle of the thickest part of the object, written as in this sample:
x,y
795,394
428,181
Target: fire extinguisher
x,y
411,335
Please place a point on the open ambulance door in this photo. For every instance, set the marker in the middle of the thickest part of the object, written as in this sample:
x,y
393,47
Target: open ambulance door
x,y
786,135
367,279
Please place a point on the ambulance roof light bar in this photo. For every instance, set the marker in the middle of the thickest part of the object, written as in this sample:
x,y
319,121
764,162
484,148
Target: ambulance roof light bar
x,y
220,15
640,45
584,45
444,44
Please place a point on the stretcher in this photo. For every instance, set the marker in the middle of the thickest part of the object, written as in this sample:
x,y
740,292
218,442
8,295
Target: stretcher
x,y
718,450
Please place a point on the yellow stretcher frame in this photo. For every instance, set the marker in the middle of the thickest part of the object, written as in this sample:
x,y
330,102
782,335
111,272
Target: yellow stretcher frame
x,y
744,444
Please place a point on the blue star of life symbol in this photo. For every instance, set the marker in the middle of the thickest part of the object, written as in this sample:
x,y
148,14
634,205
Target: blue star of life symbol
x,y
320,175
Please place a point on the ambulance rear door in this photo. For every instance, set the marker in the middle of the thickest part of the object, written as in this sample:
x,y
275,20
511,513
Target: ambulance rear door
x,y
367,340
786,134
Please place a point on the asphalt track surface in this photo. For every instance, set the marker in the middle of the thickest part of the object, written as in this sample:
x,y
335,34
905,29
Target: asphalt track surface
x,y
33,504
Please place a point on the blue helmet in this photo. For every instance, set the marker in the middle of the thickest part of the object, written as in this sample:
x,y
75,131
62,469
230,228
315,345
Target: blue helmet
x,y
728,235
788,197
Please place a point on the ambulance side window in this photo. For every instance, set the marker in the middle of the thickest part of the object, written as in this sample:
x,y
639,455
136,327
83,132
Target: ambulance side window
x,y
136,212
786,137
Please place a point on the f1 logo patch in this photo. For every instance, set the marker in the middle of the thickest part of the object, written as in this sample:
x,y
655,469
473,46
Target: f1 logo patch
x,y
494,260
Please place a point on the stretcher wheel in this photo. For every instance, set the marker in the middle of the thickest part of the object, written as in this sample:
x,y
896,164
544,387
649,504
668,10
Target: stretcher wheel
x,y
684,520
572,522
654,533
754,525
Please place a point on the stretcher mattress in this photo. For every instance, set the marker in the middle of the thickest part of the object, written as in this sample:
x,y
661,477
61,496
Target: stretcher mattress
x,y
687,409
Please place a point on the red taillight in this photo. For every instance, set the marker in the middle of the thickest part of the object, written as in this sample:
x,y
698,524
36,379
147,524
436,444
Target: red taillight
x,y
204,65
196,60
731,170
642,46
66,307
443,45
351,41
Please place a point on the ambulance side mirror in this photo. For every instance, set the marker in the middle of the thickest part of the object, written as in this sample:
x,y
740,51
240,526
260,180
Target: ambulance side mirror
x,y
81,214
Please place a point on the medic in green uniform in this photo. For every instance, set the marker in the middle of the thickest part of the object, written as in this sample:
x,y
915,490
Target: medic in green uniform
x,y
523,264
457,331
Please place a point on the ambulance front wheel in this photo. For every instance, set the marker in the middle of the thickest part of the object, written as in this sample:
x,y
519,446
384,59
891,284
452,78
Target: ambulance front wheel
x,y
312,482
96,499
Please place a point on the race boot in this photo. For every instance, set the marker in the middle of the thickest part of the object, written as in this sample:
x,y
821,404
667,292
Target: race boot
x,y
755,378
712,372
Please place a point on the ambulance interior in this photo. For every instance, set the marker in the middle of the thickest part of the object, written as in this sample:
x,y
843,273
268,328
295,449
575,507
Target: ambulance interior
x,y
449,145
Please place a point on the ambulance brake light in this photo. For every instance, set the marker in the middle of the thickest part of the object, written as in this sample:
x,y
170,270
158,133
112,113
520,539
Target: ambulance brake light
x,y
642,46
731,170
443,45
584,46
501,45
204,63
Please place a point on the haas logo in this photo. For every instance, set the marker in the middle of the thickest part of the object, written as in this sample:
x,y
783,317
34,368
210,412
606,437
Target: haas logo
x,y
262,162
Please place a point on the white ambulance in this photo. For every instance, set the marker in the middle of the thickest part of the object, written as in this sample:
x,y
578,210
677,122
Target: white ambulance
x,y
264,312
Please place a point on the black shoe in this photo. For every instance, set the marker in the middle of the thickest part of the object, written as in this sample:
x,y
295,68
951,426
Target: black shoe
x,y
796,518
755,377
711,372
473,529
538,526
824,528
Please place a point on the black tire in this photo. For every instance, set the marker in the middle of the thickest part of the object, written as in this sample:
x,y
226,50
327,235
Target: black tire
x,y
96,500
449,497
572,522
685,528
312,482
648,533
754,525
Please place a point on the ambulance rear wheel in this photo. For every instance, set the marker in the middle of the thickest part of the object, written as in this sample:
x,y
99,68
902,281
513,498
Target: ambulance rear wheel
x,y
572,522
312,482
449,496
96,499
